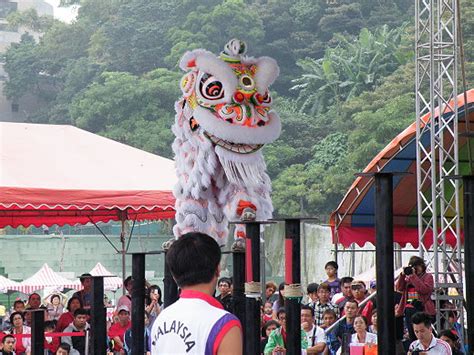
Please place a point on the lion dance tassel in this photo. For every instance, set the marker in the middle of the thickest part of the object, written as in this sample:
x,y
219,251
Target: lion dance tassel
x,y
222,122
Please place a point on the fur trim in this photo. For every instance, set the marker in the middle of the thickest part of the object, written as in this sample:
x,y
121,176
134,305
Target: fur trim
x,y
240,169
267,72
239,134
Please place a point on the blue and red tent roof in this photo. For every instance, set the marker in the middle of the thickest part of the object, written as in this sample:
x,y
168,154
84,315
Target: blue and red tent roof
x,y
353,220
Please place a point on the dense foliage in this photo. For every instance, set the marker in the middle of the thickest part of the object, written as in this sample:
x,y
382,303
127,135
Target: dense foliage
x,y
345,90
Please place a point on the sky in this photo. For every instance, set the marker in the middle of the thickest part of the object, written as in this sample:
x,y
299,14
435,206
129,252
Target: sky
x,y
61,13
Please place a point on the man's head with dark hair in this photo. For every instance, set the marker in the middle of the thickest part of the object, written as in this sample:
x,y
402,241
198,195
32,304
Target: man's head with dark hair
x,y
306,307
64,349
34,301
80,318
19,306
225,280
332,264
194,259
422,327
312,291
8,343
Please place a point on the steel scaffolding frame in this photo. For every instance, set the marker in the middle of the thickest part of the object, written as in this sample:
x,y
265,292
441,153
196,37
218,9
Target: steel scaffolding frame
x,y
436,36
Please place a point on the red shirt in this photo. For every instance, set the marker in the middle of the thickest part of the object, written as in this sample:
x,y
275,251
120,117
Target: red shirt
x,y
116,330
64,321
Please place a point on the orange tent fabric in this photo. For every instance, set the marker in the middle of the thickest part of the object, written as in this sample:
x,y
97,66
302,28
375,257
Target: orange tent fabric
x,y
59,174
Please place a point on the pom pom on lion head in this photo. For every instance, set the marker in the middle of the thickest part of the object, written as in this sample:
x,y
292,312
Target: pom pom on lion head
x,y
228,96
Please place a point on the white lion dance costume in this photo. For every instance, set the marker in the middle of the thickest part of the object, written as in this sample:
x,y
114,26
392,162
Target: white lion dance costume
x,y
222,122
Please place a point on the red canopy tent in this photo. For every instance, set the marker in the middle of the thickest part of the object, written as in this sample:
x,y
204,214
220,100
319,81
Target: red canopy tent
x,y
58,174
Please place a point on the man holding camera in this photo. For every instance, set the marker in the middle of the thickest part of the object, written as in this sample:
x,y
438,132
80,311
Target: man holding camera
x,y
426,343
416,286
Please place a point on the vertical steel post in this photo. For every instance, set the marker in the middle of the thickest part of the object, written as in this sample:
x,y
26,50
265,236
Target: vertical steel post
x,y
98,317
252,298
238,296
468,183
384,261
37,331
170,288
292,277
138,303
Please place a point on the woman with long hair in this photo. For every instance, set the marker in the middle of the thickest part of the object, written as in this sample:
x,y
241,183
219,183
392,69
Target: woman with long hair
x,y
153,303
23,344
280,301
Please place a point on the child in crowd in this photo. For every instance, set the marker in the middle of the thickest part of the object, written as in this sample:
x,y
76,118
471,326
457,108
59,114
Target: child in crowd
x,y
332,280
312,292
267,312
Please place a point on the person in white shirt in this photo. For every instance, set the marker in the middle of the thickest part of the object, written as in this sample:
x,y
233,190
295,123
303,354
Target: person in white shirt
x,y
197,323
426,342
314,334
361,335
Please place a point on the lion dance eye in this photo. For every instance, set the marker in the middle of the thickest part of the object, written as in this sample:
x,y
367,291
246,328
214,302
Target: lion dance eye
x,y
211,88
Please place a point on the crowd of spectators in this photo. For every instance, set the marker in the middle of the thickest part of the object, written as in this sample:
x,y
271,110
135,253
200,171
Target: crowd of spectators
x,y
339,313
67,321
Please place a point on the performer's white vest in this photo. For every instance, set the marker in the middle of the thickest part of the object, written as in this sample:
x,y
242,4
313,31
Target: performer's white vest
x,y
195,324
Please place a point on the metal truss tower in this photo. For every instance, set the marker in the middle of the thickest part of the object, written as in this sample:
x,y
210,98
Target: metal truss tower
x,y
437,149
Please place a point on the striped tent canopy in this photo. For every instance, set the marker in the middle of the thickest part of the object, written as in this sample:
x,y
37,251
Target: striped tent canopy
x,y
111,282
43,278
7,284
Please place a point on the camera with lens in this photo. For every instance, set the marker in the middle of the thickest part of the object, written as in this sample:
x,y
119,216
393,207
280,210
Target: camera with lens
x,y
408,270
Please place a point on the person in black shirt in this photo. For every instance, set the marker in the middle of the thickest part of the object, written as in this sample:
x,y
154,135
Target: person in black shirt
x,y
8,343
225,297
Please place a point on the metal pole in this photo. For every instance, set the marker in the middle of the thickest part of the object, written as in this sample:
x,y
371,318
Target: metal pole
x,y
238,275
468,183
98,319
252,298
293,277
37,331
170,286
384,261
138,303
122,242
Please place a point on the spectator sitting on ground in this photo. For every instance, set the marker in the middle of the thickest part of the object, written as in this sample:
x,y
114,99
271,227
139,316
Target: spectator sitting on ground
x,y
280,301
360,293
268,327
270,289
67,318
426,341
126,300
452,339
277,339
332,280
361,335
118,329
78,325
314,334
225,293
323,303
194,262
312,292
85,295
17,320
8,345
50,343
64,349
340,299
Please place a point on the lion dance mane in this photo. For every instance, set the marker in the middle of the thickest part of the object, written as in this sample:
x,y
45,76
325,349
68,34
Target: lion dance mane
x,y
223,120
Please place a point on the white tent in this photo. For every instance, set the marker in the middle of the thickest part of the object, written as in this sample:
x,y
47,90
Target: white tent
x,y
44,278
7,284
111,282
